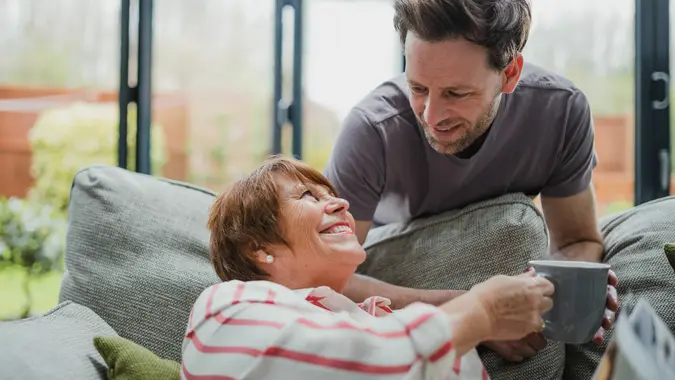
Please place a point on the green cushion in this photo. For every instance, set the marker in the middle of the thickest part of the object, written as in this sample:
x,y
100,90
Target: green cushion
x,y
670,254
127,360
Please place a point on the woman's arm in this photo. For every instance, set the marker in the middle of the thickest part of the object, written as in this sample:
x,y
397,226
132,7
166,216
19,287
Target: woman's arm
x,y
263,330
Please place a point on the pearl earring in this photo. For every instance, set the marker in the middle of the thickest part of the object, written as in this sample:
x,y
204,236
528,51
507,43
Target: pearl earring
x,y
269,259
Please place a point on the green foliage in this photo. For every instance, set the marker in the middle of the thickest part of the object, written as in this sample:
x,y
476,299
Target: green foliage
x,y
66,139
40,62
618,206
611,94
317,156
32,237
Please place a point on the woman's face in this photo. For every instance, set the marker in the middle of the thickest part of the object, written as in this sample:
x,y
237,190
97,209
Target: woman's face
x,y
322,247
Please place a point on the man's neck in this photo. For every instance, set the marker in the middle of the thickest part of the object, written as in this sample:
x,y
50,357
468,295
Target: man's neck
x,y
474,147
489,120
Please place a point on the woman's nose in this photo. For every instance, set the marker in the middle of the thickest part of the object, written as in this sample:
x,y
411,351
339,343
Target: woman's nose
x,y
336,205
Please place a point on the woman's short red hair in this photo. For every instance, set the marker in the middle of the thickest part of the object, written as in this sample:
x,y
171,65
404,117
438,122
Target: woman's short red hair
x,y
245,218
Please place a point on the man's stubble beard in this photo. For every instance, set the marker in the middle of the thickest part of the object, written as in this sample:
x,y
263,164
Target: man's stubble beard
x,y
474,133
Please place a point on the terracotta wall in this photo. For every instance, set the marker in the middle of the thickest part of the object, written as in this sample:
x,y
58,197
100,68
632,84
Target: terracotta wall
x,y
614,176
20,108
614,143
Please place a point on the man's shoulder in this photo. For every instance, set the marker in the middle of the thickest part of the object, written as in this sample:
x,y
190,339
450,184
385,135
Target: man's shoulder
x,y
542,95
387,102
536,79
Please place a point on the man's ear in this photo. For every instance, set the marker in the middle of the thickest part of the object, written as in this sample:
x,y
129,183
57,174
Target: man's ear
x,y
511,74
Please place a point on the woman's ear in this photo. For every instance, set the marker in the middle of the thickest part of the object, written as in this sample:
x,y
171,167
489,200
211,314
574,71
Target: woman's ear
x,y
260,256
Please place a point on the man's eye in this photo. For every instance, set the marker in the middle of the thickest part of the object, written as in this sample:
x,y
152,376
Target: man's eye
x,y
417,90
459,96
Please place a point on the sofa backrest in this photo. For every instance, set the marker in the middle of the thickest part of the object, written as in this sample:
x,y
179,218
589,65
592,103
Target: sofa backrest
x,y
137,253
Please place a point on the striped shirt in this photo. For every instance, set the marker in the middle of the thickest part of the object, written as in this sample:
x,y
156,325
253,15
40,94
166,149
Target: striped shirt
x,y
262,330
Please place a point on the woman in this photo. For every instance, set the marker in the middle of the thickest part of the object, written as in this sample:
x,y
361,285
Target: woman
x,y
283,243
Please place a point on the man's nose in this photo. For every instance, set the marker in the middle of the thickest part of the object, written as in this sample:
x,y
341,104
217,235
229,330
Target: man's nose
x,y
336,205
433,112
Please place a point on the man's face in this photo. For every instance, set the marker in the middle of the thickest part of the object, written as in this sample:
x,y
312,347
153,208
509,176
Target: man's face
x,y
454,92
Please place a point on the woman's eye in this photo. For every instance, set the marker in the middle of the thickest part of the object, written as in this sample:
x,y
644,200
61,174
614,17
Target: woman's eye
x,y
308,193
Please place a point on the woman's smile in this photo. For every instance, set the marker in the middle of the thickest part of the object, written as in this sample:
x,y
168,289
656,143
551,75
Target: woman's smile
x,y
339,228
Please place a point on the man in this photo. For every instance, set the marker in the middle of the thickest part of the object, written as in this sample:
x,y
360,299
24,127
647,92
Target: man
x,y
469,121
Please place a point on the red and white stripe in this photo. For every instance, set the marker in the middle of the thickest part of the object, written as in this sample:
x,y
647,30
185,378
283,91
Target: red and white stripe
x,y
262,330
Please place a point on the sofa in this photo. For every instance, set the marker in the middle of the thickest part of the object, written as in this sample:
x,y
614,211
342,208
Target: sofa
x,y
137,259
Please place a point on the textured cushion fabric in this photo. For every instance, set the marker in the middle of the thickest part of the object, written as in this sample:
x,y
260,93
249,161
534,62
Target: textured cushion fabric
x,y
634,245
137,253
461,248
56,345
127,360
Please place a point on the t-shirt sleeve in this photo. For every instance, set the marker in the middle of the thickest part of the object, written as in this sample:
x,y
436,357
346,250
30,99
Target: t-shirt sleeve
x,y
356,166
577,158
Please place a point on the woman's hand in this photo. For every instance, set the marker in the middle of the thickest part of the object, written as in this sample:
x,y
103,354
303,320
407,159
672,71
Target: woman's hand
x,y
501,308
513,305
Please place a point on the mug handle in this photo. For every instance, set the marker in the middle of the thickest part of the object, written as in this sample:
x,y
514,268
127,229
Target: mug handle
x,y
542,275
549,278
555,286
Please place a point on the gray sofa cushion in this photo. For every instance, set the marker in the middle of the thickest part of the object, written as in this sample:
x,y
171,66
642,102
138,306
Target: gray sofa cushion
x,y
56,345
634,245
137,253
461,248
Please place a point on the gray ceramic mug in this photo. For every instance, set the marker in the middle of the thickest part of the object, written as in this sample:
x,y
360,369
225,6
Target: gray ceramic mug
x,y
579,299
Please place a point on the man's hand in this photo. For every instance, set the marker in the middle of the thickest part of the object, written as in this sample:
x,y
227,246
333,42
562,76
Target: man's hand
x,y
518,350
611,308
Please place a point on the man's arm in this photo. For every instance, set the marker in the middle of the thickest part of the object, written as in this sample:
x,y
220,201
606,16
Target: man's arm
x,y
568,199
357,169
574,236
573,227
361,287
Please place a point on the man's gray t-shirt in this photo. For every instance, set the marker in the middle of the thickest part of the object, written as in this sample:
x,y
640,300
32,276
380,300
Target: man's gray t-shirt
x,y
541,142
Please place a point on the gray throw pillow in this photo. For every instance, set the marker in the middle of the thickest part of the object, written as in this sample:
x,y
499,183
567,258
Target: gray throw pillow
x,y
634,246
461,248
137,253
56,345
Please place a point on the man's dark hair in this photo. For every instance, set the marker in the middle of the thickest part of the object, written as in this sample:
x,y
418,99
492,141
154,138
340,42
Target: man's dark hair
x,y
501,26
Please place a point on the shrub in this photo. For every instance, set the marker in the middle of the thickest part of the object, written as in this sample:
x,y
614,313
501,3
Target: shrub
x,y
66,139
617,206
317,155
32,236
